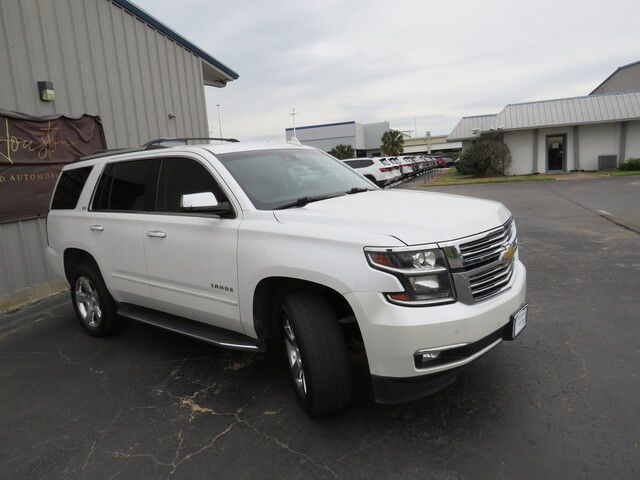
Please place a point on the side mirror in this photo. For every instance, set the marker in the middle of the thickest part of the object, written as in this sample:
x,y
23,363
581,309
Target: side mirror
x,y
204,202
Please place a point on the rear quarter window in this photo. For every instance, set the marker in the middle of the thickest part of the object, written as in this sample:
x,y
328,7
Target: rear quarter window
x,y
69,188
359,163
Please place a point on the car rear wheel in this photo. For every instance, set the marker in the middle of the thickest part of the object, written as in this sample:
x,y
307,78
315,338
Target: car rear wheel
x,y
316,353
94,306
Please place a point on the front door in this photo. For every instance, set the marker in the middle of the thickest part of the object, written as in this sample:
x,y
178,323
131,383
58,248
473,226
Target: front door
x,y
191,257
556,152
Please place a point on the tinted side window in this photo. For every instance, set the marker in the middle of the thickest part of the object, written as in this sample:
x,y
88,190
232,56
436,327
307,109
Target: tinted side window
x,y
182,176
127,186
359,163
69,188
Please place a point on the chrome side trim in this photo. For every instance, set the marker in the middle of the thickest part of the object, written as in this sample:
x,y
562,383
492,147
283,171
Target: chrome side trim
x,y
461,362
441,349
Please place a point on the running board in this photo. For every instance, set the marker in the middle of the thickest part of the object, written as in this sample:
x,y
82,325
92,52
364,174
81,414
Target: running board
x,y
201,331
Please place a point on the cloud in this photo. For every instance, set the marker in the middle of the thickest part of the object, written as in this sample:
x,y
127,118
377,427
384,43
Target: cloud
x,y
377,60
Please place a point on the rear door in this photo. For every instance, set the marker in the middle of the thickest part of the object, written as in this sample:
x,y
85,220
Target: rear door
x,y
114,228
191,257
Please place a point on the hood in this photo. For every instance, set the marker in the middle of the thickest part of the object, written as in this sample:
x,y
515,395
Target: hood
x,y
410,216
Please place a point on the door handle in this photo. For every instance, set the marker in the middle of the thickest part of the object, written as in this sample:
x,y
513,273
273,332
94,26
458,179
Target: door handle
x,y
156,234
96,228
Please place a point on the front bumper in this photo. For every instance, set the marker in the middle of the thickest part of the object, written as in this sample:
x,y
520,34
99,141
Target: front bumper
x,y
392,334
404,389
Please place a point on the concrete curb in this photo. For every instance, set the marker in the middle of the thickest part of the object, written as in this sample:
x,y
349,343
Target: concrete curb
x,y
18,299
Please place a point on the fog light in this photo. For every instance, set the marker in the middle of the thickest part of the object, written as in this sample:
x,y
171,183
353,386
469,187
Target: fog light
x,y
427,356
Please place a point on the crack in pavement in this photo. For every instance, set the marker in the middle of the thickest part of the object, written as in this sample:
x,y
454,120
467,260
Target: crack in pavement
x,y
195,409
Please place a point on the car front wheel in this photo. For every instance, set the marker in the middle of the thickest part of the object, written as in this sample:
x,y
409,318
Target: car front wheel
x,y
316,353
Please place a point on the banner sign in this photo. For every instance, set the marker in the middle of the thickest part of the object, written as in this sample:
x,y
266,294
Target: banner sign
x,y
32,152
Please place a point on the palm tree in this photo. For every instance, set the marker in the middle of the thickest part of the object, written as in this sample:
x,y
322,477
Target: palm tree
x,y
343,152
392,141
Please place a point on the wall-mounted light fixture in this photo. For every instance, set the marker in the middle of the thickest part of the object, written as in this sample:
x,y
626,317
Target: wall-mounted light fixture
x,y
46,92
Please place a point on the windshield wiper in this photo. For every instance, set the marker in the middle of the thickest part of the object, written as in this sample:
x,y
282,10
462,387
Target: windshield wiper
x,y
357,190
302,201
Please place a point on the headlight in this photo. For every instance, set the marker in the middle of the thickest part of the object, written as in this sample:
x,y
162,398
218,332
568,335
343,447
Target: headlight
x,y
424,274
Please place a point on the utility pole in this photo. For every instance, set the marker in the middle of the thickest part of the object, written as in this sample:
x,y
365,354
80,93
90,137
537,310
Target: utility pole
x,y
415,127
219,121
293,119
428,135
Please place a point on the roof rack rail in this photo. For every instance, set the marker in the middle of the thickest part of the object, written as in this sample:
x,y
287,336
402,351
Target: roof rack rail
x,y
158,142
107,152
152,145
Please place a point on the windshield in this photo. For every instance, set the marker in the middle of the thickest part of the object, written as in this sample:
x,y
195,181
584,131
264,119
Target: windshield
x,y
273,178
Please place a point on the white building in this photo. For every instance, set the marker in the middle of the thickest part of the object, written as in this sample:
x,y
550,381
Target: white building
x,y
363,137
433,144
597,131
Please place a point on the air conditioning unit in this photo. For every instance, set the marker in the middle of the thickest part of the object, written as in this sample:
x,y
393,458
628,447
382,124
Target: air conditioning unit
x,y
607,162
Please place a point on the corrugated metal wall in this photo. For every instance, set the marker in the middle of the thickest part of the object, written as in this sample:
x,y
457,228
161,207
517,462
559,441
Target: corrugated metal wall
x,y
624,79
104,61
22,261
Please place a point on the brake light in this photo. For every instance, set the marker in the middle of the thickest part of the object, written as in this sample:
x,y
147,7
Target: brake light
x,y
385,169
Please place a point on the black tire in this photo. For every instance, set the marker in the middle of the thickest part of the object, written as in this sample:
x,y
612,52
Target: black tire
x,y
323,350
108,322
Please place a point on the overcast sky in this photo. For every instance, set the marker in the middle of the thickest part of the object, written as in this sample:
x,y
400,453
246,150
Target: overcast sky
x,y
368,61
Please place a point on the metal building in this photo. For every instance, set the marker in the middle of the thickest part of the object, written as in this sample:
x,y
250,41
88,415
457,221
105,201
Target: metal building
x,y
593,132
100,57
363,137
625,79
107,58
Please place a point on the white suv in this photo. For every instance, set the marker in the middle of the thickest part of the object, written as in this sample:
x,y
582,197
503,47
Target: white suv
x,y
281,246
373,169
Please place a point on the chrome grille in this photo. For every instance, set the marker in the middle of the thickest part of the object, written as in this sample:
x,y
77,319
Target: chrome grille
x,y
488,248
483,265
490,282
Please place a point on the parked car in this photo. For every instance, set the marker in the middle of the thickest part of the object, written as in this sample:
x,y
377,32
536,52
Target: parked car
x,y
423,164
406,169
282,247
395,169
444,162
373,169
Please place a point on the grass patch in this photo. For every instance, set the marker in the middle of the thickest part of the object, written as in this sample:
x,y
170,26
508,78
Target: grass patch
x,y
628,173
452,177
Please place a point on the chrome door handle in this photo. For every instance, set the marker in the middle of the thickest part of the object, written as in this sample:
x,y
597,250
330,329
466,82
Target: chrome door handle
x,y
96,228
156,234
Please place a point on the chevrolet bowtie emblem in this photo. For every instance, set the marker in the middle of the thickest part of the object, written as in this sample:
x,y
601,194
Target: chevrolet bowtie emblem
x,y
508,254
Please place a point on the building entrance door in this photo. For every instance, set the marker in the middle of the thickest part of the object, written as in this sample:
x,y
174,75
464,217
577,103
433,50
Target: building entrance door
x,y
556,152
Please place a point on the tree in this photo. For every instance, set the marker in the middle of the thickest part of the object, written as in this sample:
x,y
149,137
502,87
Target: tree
x,y
343,152
392,141
485,158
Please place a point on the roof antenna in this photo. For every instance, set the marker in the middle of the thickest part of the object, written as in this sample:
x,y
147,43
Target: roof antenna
x,y
294,139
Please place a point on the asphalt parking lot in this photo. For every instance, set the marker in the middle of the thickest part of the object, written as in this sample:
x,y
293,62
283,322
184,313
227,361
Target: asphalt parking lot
x,y
562,401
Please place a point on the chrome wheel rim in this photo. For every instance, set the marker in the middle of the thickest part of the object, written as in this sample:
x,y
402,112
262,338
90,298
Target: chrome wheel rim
x,y
294,357
88,302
